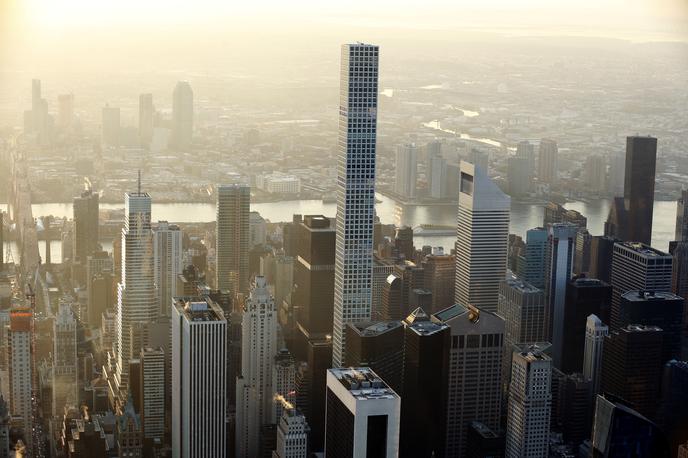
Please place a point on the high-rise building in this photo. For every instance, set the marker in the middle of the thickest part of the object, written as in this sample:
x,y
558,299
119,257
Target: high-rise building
x,y
584,297
558,270
362,415
583,250
679,273
355,190
482,239
406,171
530,404
21,369
595,333
379,346
630,217
682,217
167,251
439,271
182,115
526,150
85,231
152,384
232,238
146,115
292,435
548,162
596,173
436,171
254,390
531,265
475,373
557,213
483,442
615,183
65,374
136,299
618,430
110,133
632,366
518,174
673,413
199,337
637,267
522,307
314,274
257,227
283,383
664,310
601,255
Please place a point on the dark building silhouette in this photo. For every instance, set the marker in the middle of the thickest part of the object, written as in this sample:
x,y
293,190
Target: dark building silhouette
x,y
379,346
632,368
630,218
403,243
483,442
575,408
679,273
425,384
673,416
620,431
396,292
664,310
584,296
601,253
439,278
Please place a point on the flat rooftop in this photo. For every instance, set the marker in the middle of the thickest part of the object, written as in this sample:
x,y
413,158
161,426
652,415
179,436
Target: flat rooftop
x,y
369,329
363,383
197,309
522,286
643,249
643,296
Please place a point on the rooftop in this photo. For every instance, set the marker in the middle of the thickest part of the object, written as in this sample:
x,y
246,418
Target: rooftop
x,y
368,329
522,286
363,383
642,296
198,308
643,249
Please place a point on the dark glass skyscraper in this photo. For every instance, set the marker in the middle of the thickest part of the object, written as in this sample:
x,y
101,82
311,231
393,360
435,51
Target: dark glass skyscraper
x,y
630,219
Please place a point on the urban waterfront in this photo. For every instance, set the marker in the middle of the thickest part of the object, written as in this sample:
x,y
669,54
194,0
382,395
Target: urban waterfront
x,y
523,217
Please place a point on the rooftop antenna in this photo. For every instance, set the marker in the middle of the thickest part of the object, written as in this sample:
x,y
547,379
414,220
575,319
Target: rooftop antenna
x,y
139,181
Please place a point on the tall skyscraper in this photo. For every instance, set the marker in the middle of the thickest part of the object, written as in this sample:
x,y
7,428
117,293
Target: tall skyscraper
x,y
111,126
637,267
355,190
258,349
199,345
406,171
436,171
362,415
679,273
167,251
475,373
152,384
531,265
146,114
682,217
548,162
632,366
182,115
583,250
595,332
482,239
601,255
292,435
136,299
518,175
21,369
558,270
630,218
439,271
85,232
584,297
231,252
65,374
530,404
596,173
526,150
379,346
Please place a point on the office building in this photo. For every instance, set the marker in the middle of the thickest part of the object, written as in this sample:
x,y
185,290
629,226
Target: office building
x,y
483,442
673,412
100,287
679,273
601,255
254,390
596,174
518,174
21,369
439,272
152,384
199,339
436,171
65,375
583,250
630,217
292,435
231,251
146,116
257,230
379,346
283,383
397,291
531,264
548,162
558,271
584,297
632,366
637,267
482,239
575,408
425,385
475,373
619,430
663,310
136,298
110,133
526,150
314,274
406,171
403,243
85,230
168,255
355,190
595,333
182,115
530,404
362,415
681,233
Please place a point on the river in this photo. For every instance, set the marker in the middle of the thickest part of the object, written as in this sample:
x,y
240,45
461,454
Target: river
x,y
523,216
